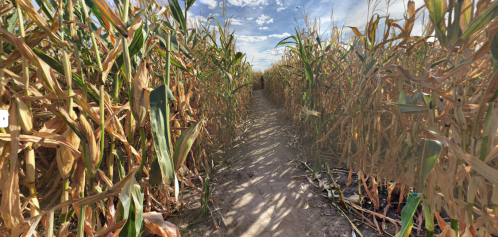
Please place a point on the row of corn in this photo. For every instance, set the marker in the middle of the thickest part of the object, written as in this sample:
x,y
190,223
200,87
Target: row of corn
x,y
114,107
412,112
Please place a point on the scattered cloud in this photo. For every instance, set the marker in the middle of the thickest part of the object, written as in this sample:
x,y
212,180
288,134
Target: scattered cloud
x,y
211,3
197,18
227,4
252,3
274,52
257,41
246,38
236,22
264,19
280,36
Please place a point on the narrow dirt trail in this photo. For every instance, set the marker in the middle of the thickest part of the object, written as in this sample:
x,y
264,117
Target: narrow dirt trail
x,y
259,196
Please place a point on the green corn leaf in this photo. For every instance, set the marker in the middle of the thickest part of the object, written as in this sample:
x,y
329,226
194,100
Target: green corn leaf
x,y
237,57
480,21
438,62
128,229
189,4
370,65
289,66
95,11
240,87
62,113
361,57
134,47
437,9
184,143
120,161
114,19
205,74
177,13
191,36
162,167
414,100
57,66
429,219
46,9
407,214
284,42
131,208
428,152
411,109
13,21
174,43
494,48
216,62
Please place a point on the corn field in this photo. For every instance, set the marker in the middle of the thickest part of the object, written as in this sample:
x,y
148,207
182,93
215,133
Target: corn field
x,y
410,113
114,107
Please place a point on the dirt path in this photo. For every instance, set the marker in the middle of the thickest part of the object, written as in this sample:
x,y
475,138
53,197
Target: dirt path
x,y
259,196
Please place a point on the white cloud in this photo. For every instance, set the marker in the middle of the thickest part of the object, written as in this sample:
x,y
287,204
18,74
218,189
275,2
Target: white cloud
x,y
280,9
252,3
263,28
214,15
249,18
246,38
279,3
280,36
211,3
274,52
195,18
264,19
236,22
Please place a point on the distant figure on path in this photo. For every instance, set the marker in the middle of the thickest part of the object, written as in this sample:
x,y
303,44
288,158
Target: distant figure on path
x,y
262,83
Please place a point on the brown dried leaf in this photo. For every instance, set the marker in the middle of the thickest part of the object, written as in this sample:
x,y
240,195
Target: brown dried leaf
x,y
10,208
64,156
44,68
140,102
93,150
25,117
64,229
154,222
78,179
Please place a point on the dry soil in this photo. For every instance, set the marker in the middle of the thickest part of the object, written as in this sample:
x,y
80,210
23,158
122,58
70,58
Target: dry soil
x,y
260,197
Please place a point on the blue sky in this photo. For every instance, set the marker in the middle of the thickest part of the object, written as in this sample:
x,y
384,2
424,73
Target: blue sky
x,y
260,24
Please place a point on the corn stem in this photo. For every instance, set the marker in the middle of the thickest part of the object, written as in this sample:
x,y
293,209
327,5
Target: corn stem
x,y
143,139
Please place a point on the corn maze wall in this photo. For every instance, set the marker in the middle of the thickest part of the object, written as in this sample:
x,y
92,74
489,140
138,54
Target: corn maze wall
x,y
108,99
414,113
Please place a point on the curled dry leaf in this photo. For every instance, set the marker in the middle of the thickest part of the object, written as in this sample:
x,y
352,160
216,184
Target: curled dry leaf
x,y
140,93
154,222
10,208
65,158
78,179
93,150
25,116
44,69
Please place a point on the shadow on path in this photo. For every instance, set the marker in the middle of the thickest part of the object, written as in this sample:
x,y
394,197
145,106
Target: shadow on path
x,y
259,196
